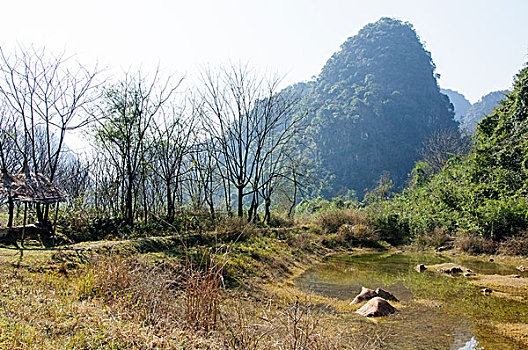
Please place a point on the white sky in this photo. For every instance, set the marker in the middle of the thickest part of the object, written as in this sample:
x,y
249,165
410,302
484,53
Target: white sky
x,y
477,45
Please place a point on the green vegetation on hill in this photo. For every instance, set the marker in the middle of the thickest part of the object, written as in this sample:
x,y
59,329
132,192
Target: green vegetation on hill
x,y
479,196
374,103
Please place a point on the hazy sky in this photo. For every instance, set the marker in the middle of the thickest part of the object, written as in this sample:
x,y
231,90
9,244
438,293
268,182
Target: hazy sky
x,y
477,45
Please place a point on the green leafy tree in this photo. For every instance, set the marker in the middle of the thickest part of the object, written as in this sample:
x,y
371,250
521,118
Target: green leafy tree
x,y
484,193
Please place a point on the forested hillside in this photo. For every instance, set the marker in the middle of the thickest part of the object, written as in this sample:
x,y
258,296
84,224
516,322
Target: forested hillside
x,y
373,105
482,195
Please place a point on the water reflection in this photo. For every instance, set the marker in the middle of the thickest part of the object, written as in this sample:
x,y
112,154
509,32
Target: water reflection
x,y
472,344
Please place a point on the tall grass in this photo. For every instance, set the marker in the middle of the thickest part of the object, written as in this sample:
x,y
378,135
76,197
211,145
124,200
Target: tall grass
x,y
203,283
292,324
136,290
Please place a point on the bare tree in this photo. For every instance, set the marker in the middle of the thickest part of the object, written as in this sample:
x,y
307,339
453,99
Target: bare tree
x,y
173,137
443,145
8,140
124,131
47,94
248,119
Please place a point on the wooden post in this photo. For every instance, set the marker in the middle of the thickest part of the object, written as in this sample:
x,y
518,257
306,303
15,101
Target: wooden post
x,y
56,216
11,208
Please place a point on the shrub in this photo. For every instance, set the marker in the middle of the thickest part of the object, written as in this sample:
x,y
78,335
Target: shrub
x,y
359,233
515,245
320,204
231,229
474,244
278,219
139,291
502,218
301,240
330,221
437,238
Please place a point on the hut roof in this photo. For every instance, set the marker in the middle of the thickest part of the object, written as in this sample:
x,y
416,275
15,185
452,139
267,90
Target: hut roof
x,y
31,188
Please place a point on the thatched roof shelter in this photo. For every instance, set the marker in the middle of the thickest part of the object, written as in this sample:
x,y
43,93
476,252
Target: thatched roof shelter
x,y
30,188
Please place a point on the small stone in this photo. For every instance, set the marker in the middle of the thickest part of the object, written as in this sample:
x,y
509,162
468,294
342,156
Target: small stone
x,y
420,268
491,260
521,268
467,274
451,270
486,291
516,276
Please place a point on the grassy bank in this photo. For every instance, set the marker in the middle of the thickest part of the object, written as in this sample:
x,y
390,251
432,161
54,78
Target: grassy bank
x,y
228,289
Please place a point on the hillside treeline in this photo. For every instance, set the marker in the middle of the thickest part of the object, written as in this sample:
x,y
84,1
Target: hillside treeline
x,y
231,142
153,148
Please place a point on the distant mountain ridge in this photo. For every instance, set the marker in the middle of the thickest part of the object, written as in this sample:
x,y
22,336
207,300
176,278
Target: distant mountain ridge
x,y
467,114
459,101
482,108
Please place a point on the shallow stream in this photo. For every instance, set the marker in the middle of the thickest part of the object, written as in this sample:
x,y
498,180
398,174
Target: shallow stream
x,y
436,311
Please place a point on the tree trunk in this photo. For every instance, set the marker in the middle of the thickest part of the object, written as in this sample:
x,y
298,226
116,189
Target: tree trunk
x,y
240,211
40,217
129,210
11,206
45,218
170,204
294,200
212,210
267,206
251,210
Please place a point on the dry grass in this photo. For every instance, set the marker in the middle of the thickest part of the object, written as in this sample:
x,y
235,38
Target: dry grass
x,y
474,244
437,238
203,284
330,221
139,291
518,331
280,219
358,233
44,310
232,229
295,323
104,300
117,302
517,245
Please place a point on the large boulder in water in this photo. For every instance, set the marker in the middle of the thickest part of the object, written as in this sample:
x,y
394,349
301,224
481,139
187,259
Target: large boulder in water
x,y
365,294
385,295
376,307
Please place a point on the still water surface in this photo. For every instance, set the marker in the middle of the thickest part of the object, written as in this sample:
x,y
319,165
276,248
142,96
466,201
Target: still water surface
x,y
436,311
